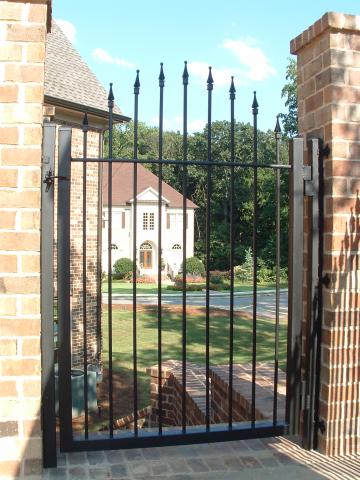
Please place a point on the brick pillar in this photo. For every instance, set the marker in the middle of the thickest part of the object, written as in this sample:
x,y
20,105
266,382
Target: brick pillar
x,y
22,51
328,55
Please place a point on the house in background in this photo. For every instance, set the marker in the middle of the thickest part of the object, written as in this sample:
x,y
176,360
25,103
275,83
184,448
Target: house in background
x,y
147,226
71,89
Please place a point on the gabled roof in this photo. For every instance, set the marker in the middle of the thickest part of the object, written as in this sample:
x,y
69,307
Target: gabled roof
x,y
69,82
122,185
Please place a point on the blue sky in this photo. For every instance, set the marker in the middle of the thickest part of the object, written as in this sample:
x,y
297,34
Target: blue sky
x,y
249,40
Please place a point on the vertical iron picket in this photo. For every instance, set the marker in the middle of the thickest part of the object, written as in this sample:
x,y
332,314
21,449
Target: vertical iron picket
x,y
210,86
85,128
161,122
277,281
185,226
111,405
232,247
134,273
255,111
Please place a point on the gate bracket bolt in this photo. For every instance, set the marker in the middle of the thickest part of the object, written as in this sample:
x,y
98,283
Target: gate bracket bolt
x,y
325,152
326,280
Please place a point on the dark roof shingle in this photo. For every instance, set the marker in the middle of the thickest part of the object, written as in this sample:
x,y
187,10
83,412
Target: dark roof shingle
x,y
122,185
69,79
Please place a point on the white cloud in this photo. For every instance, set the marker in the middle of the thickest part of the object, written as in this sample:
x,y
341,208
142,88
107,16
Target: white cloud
x,y
68,28
257,65
221,76
104,57
254,65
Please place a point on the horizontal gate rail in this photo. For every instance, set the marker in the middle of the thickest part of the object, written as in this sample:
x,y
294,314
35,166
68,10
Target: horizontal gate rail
x,y
200,163
148,439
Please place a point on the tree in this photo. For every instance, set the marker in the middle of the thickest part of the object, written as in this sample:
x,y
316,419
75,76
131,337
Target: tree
x,y
289,92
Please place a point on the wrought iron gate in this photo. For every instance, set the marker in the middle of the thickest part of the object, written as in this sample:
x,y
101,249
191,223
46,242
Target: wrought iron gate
x,y
160,432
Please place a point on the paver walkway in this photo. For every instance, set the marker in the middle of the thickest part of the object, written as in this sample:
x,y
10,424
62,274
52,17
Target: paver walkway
x,y
273,458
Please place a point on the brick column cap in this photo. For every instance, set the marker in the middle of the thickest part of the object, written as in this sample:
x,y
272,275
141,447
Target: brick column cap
x,y
329,21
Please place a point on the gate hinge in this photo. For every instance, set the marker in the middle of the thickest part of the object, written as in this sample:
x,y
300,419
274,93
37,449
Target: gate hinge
x,y
308,182
50,178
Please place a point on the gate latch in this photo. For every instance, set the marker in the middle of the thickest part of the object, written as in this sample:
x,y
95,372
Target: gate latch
x,y
50,178
308,181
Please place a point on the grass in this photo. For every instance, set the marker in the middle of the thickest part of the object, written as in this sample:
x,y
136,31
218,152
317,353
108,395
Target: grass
x,y
119,286
147,346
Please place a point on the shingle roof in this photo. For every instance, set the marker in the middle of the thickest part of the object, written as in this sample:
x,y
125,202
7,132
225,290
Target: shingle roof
x,y
122,185
69,80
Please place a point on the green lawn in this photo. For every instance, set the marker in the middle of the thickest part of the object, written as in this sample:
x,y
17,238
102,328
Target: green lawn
x,y
119,286
147,346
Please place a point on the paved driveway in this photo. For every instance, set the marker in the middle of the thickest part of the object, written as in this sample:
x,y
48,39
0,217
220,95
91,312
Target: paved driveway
x,y
242,301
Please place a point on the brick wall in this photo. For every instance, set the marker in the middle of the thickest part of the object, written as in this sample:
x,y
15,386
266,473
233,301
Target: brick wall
x,y
328,55
22,48
92,243
171,381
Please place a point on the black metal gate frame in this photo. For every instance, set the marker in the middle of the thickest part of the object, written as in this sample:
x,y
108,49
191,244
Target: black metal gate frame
x,y
184,434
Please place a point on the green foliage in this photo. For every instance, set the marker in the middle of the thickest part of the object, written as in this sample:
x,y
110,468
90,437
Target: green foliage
x,y
289,92
194,266
244,272
123,268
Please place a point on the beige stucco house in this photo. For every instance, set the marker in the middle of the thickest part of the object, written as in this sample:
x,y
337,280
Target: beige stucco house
x,y
147,224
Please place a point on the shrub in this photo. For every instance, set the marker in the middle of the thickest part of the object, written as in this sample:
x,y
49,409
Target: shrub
x,y
143,279
189,288
244,272
264,274
224,274
216,280
123,268
194,266
189,279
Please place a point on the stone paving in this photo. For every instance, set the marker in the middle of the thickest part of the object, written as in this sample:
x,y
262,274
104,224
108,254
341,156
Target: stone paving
x,y
273,458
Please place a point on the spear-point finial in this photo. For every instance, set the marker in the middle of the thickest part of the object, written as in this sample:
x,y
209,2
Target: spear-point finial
x,y
210,80
277,130
185,75
85,123
111,97
137,83
255,105
232,89
161,76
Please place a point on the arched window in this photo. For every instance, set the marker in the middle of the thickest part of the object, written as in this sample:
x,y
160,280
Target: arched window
x,y
145,246
176,247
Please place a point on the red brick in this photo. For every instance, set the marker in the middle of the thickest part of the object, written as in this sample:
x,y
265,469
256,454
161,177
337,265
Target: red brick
x,y
314,102
19,367
9,93
9,135
20,156
25,33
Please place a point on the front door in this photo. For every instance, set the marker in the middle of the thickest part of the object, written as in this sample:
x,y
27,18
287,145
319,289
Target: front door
x,y
146,259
